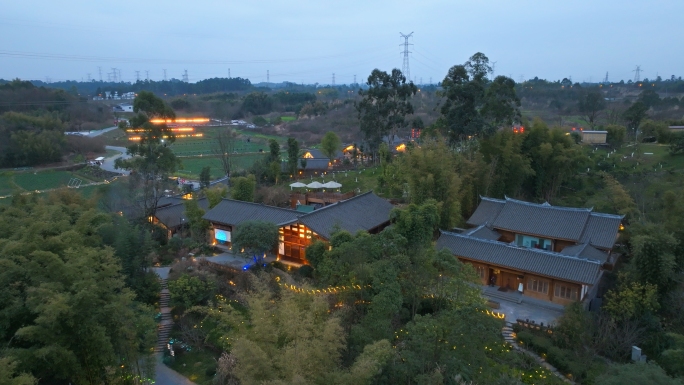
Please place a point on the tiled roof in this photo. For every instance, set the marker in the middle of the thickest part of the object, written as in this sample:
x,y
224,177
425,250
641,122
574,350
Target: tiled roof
x,y
362,212
233,212
585,250
601,230
483,232
575,224
315,164
173,215
542,219
536,261
318,154
486,211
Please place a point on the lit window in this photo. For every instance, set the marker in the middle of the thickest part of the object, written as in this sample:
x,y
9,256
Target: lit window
x,y
538,285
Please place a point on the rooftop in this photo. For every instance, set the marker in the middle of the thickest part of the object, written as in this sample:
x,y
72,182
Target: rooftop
x,y
542,262
233,212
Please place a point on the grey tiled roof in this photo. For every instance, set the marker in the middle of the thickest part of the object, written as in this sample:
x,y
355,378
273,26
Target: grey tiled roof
x,y
483,232
601,230
173,215
486,211
545,220
585,250
315,164
318,154
233,212
536,261
362,212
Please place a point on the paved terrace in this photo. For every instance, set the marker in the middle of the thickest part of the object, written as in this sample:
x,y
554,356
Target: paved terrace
x,y
519,306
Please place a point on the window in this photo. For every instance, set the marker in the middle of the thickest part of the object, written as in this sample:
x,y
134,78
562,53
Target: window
x,y
538,285
566,292
533,242
480,271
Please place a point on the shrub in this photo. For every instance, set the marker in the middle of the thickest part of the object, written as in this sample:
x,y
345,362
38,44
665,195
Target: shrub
x,y
305,271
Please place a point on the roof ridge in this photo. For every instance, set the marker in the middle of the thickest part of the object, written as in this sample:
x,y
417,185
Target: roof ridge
x,y
549,206
259,204
539,251
607,215
338,203
492,199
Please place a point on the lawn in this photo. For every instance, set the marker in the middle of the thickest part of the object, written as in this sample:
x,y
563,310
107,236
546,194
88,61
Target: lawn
x,y
198,366
363,179
193,166
288,118
7,184
32,181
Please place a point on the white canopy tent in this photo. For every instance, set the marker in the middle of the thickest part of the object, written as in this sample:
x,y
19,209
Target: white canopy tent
x,y
314,185
297,184
332,184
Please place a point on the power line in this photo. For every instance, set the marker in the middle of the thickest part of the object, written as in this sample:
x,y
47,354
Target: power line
x,y
405,65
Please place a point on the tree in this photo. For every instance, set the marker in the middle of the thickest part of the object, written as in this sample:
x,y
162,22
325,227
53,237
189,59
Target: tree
x,y
224,147
274,150
631,300
243,188
65,309
198,226
216,194
430,172
591,104
152,160
292,155
384,106
474,107
636,373
304,350
677,144
634,115
8,374
616,134
190,290
330,145
205,177
256,237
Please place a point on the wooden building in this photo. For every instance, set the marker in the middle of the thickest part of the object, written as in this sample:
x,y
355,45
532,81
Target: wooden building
x,y
172,216
556,254
297,230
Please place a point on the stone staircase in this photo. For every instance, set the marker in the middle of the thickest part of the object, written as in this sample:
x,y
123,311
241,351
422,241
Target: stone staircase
x,y
166,323
510,296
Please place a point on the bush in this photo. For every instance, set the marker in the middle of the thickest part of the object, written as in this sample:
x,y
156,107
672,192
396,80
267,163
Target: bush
x,y
305,271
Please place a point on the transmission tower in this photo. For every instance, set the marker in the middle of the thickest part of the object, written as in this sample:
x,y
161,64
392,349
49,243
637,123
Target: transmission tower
x,y
637,74
99,69
354,79
164,74
137,76
405,66
147,75
185,76
333,83
89,79
114,75
229,73
605,81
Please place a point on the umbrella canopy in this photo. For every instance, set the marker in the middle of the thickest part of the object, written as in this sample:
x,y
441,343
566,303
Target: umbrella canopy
x,y
297,184
314,185
332,184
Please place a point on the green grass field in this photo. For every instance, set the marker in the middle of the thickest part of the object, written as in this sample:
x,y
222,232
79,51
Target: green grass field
x,y
31,181
288,118
7,185
363,180
193,166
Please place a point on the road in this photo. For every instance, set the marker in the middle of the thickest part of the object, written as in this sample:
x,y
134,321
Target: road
x,y
102,131
108,163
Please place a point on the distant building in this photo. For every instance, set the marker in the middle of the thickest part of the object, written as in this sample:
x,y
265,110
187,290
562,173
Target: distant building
x,y
122,108
594,137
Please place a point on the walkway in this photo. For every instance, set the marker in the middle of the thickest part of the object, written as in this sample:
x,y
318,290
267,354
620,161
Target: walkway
x,y
163,374
509,336
519,306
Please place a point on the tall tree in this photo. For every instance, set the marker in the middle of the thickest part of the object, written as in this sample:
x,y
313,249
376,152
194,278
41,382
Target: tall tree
x,y
152,162
330,145
384,106
474,106
292,155
224,147
591,104
634,115
205,177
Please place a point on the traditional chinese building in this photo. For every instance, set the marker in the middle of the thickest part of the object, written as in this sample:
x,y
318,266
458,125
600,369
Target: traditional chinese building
x,y
297,230
557,254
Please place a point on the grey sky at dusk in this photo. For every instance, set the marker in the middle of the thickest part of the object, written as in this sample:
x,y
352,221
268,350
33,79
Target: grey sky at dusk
x,y
310,40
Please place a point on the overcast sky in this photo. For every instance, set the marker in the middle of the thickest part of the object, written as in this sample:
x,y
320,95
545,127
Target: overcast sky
x,y
309,40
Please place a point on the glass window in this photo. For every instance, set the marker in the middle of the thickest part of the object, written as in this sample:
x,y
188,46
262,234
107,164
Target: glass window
x,y
480,271
538,285
566,292
533,242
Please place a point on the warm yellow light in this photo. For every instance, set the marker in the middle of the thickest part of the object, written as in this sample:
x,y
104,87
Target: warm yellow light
x,y
401,147
308,155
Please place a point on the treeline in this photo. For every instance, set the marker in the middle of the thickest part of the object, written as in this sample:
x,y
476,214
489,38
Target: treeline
x,y
33,120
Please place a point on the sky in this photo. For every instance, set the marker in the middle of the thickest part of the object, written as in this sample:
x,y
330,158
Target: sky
x,y
307,41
